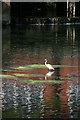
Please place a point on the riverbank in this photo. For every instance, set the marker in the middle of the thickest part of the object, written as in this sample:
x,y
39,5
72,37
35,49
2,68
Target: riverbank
x,y
41,21
7,19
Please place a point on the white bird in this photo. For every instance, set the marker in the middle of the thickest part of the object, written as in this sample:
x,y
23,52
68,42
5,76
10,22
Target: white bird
x,y
48,65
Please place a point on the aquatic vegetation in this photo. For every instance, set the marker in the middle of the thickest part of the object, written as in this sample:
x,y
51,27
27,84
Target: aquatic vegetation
x,y
34,66
8,76
42,81
15,73
29,75
29,67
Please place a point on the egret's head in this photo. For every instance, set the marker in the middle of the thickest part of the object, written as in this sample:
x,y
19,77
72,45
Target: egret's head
x,y
45,60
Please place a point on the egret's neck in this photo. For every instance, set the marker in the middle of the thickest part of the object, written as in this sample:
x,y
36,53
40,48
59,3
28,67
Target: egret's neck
x,y
45,62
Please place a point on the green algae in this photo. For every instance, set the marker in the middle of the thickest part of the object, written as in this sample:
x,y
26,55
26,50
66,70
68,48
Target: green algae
x,y
42,81
35,66
27,67
29,75
8,76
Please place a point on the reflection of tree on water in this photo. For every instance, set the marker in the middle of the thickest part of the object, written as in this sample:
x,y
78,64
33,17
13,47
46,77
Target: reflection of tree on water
x,y
51,96
52,101
71,34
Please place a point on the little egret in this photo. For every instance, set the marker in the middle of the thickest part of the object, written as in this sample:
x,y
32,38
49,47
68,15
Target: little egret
x,y
48,65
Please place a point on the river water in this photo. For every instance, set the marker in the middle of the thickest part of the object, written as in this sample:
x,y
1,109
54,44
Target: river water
x,y
29,89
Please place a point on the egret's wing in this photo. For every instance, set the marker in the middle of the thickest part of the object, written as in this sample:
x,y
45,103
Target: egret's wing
x,y
49,66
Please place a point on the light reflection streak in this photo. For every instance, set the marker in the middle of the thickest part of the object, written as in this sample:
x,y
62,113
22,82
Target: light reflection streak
x,y
73,93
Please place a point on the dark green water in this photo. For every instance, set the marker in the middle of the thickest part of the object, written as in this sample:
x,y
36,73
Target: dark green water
x,y
30,90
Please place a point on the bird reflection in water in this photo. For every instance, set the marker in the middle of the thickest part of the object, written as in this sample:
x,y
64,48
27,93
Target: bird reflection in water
x,y
49,74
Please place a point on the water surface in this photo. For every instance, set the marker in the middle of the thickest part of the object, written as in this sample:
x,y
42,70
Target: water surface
x,y
30,90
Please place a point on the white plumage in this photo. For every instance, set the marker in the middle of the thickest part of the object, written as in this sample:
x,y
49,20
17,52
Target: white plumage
x,y
49,74
48,65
